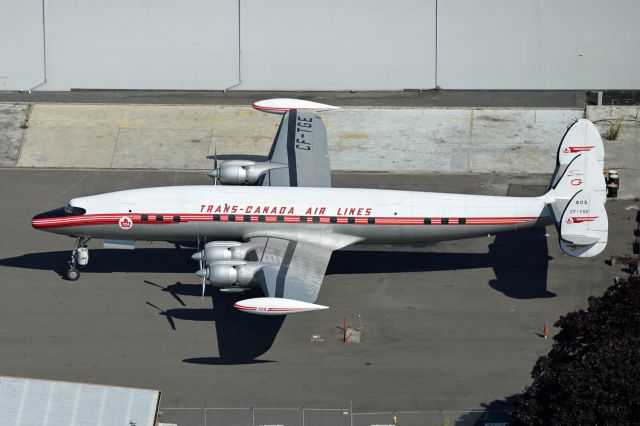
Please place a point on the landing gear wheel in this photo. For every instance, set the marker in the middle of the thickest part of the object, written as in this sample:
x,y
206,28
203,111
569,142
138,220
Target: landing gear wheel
x,y
79,259
73,274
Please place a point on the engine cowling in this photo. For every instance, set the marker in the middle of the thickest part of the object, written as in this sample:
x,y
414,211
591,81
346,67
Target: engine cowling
x,y
228,273
215,251
242,172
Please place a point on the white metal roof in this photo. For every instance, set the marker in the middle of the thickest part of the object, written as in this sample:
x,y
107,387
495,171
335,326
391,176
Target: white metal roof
x,y
45,402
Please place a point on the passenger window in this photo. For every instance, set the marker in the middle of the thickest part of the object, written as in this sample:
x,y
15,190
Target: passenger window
x,y
427,221
144,217
333,219
303,219
159,218
176,219
216,218
371,220
462,221
351,220
316,219
232,218
247,218
444,221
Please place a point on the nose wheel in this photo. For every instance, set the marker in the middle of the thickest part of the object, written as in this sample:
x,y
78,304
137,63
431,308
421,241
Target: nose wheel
x,y
72,274
79,259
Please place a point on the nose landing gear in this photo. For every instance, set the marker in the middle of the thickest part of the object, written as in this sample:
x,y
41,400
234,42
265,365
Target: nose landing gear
x,y
79,259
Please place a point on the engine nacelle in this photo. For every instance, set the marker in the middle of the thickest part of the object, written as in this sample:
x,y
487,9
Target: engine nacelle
x,y
242,172
215,251
227,273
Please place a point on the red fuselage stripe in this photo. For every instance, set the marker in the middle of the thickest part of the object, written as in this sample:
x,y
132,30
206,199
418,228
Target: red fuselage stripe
x,y
168,219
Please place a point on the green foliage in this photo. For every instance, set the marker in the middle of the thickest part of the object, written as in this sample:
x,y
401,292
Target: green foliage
x,y
614,130
592,374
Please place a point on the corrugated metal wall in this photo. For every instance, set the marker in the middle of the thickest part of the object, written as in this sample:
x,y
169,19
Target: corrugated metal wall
x,y
327,45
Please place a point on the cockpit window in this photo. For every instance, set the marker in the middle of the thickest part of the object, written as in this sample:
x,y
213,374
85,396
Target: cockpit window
x,y
67,210
75,211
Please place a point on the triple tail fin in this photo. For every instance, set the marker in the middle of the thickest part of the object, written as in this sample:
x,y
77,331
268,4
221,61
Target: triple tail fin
x,y
578,192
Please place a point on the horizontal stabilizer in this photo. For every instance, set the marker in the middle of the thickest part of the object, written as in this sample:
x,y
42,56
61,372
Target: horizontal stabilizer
x,y
275,306
584,226
282,105
577,202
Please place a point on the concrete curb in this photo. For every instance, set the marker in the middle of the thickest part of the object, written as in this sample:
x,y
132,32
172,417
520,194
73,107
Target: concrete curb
x,y
386,139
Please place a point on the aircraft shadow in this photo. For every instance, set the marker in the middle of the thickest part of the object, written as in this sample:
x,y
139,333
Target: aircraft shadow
x,y
520,262
241,337
519,259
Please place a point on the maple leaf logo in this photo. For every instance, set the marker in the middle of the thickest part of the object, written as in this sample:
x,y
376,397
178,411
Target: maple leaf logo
x,y
125,222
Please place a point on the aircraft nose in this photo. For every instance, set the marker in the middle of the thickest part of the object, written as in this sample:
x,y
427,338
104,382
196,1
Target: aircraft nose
x,y
40,220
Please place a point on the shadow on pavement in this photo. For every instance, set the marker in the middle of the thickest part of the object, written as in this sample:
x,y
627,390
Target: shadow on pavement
x,y
496,412
241,337
519,259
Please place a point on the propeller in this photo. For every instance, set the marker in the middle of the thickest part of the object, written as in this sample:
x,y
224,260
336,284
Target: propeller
x,y
215,173
202,271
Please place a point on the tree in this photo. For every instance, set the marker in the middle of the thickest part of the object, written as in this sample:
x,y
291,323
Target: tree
x,y
591,376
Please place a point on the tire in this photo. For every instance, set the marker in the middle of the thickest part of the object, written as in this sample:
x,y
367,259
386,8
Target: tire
x,y
73,274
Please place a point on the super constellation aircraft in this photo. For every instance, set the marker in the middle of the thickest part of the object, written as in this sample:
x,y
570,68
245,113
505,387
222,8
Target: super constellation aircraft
x,y
275,224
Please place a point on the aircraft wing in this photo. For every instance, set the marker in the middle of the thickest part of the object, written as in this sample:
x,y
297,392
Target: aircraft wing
x,y
298,268
301,144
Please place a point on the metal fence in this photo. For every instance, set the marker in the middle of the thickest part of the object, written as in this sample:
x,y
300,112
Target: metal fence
x,y
327,417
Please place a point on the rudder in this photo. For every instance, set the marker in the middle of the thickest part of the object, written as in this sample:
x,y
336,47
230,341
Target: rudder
x,y
577,201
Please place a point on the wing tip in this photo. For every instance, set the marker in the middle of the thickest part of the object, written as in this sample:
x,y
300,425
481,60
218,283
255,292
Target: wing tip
x,y
276,306
282,105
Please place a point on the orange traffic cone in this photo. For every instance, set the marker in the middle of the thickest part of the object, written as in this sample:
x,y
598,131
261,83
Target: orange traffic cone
x,y
545,331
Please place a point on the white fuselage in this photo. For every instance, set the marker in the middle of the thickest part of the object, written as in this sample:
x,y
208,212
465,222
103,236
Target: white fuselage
x,y
185,213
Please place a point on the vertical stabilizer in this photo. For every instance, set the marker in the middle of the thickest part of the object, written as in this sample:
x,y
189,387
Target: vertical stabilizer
x,y
581,137
577,201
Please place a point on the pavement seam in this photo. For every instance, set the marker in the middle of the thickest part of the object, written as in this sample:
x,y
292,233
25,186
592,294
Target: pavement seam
x,y
115,148
24,134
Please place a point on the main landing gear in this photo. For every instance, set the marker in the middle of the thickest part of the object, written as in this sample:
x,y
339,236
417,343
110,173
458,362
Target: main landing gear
x,y
79,259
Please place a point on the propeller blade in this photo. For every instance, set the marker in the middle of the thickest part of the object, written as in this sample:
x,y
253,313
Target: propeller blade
x,y
202,265
203,272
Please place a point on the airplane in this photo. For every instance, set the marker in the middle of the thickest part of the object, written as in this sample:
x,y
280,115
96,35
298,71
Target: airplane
x,y
275,224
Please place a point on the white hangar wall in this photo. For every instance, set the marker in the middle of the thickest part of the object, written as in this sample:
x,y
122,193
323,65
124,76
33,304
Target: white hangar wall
x,y
141,44
321,45
124,44
21,44
539,44
338,44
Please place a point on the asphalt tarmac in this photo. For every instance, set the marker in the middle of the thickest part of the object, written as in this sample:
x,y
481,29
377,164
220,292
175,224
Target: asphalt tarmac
x,y
452,325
